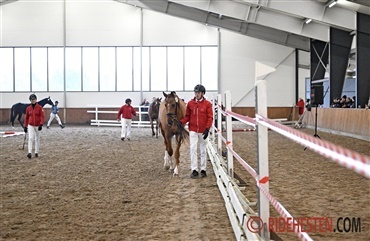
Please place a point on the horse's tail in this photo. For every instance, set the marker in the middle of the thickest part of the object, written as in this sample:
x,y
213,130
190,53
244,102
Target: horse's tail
x,y
12,117
183,134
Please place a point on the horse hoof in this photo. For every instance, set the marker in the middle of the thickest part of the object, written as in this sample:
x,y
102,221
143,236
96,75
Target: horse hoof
x,y
175,175
166,167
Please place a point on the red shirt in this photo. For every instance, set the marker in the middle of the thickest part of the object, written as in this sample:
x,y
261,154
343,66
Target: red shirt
x,y
35,116
126,111
300,104
199,114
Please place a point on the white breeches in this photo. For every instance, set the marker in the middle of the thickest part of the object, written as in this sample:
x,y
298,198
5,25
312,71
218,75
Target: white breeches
x,y
194,139
33,135
52,116
126,128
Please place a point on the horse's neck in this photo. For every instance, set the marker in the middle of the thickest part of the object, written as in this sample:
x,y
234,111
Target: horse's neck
x,y
42,102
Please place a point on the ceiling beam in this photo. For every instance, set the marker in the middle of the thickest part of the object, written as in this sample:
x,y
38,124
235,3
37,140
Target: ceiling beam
x,y
220,20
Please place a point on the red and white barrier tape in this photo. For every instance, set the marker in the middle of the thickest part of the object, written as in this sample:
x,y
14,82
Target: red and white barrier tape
x,y
245,119
344,157
278,207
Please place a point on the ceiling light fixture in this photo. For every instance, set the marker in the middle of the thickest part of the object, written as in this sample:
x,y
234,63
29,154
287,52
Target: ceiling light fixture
x,y
332,3
308,20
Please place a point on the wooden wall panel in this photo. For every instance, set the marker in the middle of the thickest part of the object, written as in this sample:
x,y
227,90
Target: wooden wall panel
x,y
350,121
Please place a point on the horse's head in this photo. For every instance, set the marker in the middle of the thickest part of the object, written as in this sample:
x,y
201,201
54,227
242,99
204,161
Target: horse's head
x,y
49,101
172,103
46,101
157,103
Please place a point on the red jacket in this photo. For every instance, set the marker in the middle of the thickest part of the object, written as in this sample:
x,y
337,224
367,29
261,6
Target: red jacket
x,y
300,104
199,114
35,116
126,111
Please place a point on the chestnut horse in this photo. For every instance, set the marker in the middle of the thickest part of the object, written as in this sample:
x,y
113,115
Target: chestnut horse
x,y
153,115
171,111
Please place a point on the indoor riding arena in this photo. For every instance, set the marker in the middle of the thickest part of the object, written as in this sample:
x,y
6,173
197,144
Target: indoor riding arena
x,y
276,93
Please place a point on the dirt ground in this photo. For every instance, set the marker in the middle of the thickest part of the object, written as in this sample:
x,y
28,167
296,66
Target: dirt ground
x,y
87,184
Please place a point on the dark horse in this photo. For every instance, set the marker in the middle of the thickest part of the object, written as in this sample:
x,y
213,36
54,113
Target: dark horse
x,y
171,111
153,115
20,108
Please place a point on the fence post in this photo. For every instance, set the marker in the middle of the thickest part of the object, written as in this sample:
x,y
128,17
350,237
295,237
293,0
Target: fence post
x,y
262,147
96,114
229,135
219,124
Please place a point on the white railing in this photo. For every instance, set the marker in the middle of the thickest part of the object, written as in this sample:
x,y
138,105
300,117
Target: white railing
x,y
97,109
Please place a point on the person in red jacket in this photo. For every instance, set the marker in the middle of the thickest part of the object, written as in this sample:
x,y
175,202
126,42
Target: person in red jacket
x,y
199,114
33,123
125,114
300,105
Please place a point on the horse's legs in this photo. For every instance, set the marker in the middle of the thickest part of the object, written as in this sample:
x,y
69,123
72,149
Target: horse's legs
x,y
156,128
152,125
19,119
177,158
165,164
170,151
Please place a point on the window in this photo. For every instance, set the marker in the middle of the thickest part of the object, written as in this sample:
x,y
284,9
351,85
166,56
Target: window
x,y
209,67
107,69
176,68
39,69
145,76
137,68
6,69
22,69
73,69
56,70
90,67
192,67
124,69
158,68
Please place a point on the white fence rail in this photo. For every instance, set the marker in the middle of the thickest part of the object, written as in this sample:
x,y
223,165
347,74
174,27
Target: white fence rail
x,y
97,109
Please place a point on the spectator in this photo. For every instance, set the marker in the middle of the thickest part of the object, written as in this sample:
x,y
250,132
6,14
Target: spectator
x,y
300,105
145,117
347,103
308,105
33,123
199,114
54,114
353,105
367,106
125,114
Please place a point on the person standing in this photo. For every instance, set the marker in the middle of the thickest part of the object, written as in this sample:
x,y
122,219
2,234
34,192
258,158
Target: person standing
x,y
54,114
125,114
199,114
300,105
33,123
145,117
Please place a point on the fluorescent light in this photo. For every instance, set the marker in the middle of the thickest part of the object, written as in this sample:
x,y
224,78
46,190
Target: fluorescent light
x,y
332,3
308,20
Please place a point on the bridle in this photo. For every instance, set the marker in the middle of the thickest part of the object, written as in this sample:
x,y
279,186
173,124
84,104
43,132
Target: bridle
x,y
173,120
173,116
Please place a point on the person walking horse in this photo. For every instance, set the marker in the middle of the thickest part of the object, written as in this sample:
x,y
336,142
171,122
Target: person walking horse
x,y
199,114
33,123
54,114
